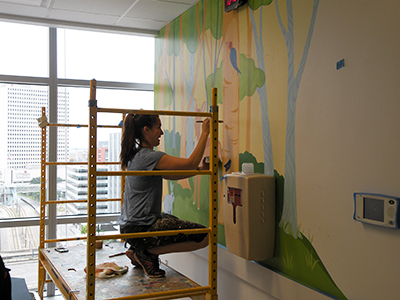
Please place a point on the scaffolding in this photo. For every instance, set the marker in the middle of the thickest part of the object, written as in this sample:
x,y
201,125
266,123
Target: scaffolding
x,y
48,258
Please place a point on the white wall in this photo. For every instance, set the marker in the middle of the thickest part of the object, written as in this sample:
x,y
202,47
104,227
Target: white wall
x,y
239,279
348,140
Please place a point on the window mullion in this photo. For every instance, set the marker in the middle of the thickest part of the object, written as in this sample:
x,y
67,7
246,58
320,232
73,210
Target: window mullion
x,y
52,152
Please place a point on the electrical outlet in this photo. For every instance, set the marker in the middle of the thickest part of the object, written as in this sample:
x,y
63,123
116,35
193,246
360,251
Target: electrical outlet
x,y
340,64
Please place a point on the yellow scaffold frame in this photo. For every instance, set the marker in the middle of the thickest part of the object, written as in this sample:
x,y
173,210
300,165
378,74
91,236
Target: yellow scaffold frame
x,y
45,266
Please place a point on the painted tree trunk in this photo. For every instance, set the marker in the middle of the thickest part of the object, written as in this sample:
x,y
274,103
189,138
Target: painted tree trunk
x,y
230,93
289,214
262,94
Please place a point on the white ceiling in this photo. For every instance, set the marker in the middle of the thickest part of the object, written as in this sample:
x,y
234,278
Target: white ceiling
x,y
136,16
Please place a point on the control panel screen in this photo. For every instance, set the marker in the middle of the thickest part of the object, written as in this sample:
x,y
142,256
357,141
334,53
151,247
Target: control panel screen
x,y
374,209
377,209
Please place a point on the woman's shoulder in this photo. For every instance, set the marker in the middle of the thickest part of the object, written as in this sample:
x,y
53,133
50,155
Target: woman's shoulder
x,y
144,151
147,153
145,159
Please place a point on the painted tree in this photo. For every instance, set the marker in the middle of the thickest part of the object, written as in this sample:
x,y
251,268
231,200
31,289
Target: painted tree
x,y
162,92
262,91
212,21
251,79
289,214
190,38
173,50
230,91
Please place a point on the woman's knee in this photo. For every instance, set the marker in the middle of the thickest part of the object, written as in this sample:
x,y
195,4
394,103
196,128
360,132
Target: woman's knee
x,y
204,242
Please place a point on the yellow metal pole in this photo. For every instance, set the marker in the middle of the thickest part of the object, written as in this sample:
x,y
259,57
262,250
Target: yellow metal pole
x,y
123,177
213,214
53,163
135,235
42,224
125,236
78,125
154,112
153,173
91,206
80,201
172,294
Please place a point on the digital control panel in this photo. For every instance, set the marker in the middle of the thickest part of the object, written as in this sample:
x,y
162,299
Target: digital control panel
x,y
376,209
233,4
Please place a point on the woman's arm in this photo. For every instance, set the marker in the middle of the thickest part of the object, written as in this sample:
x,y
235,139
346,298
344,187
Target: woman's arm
x,y
168,162
202,166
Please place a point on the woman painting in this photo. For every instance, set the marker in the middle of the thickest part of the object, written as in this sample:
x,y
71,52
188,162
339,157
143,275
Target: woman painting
x,y
141,209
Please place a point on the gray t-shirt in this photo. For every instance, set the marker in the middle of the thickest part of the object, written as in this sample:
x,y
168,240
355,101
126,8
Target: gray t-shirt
x,y
143,194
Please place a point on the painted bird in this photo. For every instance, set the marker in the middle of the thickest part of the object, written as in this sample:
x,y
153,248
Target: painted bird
x,y
233,57
227,166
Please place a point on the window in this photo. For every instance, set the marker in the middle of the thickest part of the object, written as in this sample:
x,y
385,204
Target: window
x,y
24,50
126,73
105,56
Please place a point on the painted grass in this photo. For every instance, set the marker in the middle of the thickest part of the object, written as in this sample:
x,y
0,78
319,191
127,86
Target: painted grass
x,y
298,260
294,258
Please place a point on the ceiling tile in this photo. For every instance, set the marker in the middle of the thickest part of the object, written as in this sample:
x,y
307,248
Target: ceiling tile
x,y
82,17
188,2
157,10
140,23
104,7
22,10
144,14
25,2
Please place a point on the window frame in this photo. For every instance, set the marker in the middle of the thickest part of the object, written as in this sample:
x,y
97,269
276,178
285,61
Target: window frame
x,y
53,84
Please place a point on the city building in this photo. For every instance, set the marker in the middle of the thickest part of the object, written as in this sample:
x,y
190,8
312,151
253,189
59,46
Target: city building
x,y
102,151
77,188
114,182
20,107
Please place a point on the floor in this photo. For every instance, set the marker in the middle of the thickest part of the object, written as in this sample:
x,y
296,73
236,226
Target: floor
x,y
61,297
29,271
58,296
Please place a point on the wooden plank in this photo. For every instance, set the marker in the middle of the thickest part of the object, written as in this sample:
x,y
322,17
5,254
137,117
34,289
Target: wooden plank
x,y
70,268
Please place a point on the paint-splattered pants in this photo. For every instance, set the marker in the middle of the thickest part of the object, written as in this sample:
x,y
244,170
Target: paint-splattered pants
x,y
166,222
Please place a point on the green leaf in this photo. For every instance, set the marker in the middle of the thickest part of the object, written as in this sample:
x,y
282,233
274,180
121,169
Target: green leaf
x,y
174,38
250,78
168,97
159,44
190,34
255,4
214,15
168,140
215,80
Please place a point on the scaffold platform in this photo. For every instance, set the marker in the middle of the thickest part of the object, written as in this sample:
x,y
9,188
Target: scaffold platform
x,y
67,269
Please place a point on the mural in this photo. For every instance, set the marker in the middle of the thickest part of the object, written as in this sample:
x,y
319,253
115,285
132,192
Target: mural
x,y
241,53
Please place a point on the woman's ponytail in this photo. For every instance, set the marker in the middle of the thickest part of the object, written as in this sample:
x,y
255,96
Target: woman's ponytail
x,y
131,141
129,144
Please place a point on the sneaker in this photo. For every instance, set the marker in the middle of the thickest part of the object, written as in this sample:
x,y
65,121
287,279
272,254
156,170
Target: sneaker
x,y
149,264
131,256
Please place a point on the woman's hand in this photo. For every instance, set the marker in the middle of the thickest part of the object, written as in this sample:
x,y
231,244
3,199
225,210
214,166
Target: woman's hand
x,y
205,164
168,162
206,127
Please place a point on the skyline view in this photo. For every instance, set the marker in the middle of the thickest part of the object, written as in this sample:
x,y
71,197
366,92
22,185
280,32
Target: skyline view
x,y
81,55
